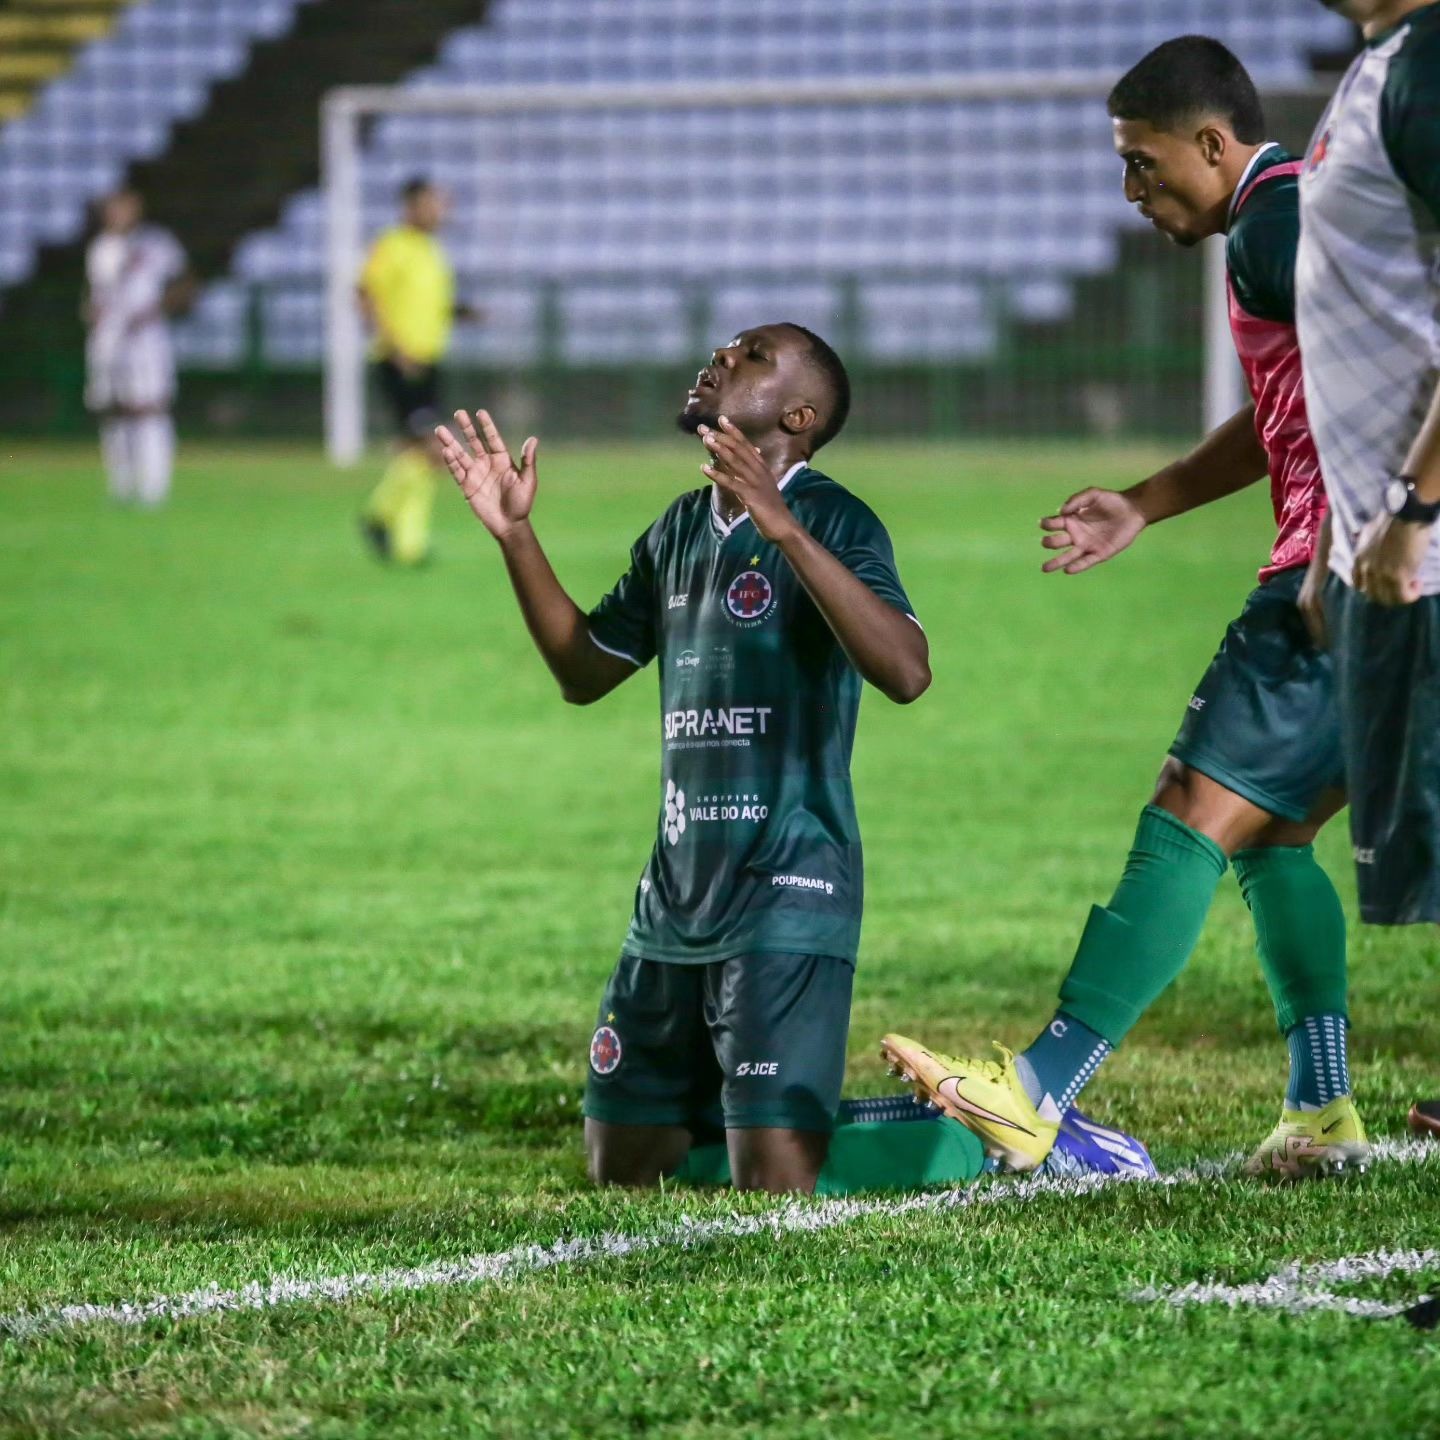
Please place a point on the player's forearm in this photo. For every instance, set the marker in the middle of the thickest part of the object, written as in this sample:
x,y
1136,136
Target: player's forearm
x,y
1228,459
1422,464
888,649
557,625
1320,559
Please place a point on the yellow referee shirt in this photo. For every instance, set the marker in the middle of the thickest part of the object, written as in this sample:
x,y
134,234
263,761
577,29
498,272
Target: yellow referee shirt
x,y
409,281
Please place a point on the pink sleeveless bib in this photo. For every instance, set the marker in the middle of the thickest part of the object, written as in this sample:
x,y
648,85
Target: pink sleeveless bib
x,y
1270,356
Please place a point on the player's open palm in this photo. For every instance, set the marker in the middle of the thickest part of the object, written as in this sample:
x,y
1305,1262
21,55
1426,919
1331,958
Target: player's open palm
x,y
1090,528
500,492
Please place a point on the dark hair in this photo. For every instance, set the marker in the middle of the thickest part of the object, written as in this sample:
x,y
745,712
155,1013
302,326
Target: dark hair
x,y
830,366
1185,79
415,186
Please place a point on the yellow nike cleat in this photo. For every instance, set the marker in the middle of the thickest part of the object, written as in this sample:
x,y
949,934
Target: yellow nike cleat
x,y
1313,1142
985,1096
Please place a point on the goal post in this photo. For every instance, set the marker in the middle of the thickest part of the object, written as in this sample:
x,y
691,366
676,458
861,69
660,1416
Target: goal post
x,y
1223,380
348,112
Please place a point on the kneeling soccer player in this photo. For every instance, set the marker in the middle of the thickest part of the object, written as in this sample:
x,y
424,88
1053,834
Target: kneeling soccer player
x,y
767,596
1256,769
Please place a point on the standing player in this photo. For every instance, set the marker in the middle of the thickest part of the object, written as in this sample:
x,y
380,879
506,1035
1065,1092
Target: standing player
x,y
766,597
136,278
1367,289
407,292
1255,770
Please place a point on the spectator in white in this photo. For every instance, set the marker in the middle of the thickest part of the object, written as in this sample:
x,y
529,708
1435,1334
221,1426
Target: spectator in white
x,y
137,277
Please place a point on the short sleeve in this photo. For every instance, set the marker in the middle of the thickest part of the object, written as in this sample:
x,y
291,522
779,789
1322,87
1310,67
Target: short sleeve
x,y
1410,115
623,623
862,545
1261,252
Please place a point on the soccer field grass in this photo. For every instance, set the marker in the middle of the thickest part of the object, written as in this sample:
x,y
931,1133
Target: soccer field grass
x,y
308,886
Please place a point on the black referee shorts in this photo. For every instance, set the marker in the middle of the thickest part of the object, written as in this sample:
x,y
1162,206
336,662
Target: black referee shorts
x,y
414,399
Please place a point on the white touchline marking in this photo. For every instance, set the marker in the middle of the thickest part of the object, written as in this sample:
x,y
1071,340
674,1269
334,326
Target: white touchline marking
x,y
1298,1288
791,1217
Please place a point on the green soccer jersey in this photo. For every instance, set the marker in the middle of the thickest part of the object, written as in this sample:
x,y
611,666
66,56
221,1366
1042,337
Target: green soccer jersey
x,y
758,848
1262,239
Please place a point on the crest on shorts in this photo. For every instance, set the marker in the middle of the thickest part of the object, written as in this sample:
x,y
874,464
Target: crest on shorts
x,y
749,597
604,1051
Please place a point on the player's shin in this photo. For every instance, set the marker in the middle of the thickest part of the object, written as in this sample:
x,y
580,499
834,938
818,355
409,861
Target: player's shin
x,y
153,450
1300,937
401,503
116,449
891,1155
1130,952
871,1154
410,533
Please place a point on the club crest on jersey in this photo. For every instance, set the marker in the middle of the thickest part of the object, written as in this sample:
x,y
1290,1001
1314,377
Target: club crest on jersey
x,y
1319,150
605,1051
750,598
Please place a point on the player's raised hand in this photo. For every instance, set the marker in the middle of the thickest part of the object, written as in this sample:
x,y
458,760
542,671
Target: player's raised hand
x,y
500,492
1090,528
738,467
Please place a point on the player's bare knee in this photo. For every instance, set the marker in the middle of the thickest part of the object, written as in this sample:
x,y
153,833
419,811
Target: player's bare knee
x,y
773,1179
633,1155
1285,834
1208,807
778,1162
1184,793
606,1167
1175,788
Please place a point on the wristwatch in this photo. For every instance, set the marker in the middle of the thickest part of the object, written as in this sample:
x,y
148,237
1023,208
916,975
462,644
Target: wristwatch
x,y
1404,504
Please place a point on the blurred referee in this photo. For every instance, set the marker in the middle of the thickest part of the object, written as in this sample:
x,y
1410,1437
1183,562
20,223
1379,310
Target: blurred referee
x,y
407,293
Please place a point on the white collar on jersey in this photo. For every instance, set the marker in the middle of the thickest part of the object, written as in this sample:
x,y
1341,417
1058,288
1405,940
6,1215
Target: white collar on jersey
x,y
1245,178
729,527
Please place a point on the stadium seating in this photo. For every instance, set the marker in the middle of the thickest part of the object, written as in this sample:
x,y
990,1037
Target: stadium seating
x,y
917,231
924,229
37,40
117,103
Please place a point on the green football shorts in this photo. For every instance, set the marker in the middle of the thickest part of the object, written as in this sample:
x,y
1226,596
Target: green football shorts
x,y
1387,663
1264,721
757,1041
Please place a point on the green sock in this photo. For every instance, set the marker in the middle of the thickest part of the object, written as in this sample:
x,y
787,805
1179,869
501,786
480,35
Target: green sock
x,y
899,1155
1134,947
869,1155
1299,931
705,1165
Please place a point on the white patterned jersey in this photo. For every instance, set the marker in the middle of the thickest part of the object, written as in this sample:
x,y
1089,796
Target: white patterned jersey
x,y
1367,287
129,362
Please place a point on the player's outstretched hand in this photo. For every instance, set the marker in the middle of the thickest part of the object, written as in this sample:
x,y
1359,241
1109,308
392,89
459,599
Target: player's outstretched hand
x,y
1388,556
500,492
737,466
1090,528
